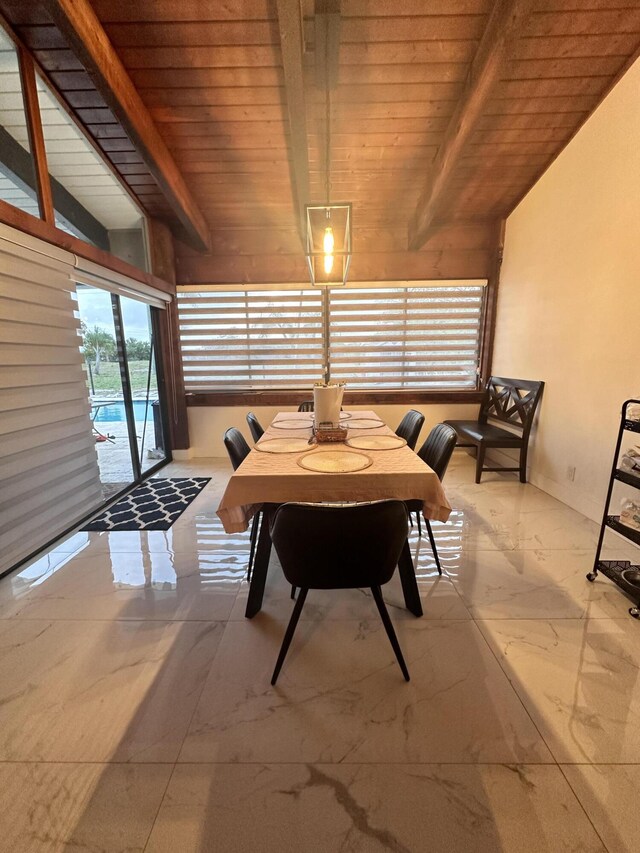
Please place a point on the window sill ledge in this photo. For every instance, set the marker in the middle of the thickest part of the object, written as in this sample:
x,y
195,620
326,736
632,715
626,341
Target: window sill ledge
x,y
353,398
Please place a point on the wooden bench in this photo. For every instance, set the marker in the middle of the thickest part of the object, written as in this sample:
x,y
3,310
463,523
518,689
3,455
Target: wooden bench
x,y
512,401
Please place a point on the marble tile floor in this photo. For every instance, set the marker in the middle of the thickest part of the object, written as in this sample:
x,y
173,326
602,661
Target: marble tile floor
x,y
136,712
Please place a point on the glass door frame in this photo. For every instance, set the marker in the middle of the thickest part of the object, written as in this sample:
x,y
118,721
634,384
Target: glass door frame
x,y
125,379
141,475
158,357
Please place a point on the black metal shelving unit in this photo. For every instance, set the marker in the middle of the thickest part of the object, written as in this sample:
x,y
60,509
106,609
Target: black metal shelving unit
x,y
623,573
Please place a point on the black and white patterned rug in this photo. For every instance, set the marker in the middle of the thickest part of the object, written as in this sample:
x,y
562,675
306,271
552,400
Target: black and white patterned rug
x,y
154,505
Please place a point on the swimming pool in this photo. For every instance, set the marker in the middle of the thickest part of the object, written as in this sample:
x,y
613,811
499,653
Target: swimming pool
x,y
115,412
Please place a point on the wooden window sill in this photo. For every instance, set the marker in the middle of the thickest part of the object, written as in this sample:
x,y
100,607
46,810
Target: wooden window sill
x,y
353,398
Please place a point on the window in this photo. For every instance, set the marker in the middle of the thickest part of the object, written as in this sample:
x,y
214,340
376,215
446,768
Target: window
x,y
250,339
17,173
89,201
407,336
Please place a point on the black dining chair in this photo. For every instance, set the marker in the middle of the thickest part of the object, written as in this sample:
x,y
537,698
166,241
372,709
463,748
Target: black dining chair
x,y
346,547
410,426
238,450
257,430
436,452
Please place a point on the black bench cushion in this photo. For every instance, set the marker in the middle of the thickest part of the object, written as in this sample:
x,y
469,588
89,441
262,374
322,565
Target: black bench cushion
x,y
486,434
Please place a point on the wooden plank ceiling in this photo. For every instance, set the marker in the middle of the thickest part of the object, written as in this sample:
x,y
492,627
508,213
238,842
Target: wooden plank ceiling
x,y
211,74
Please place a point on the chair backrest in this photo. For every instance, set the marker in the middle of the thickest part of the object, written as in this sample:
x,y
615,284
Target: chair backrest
x,y
512,401
438,447
237,447
344,547
307,406
256,428
410,426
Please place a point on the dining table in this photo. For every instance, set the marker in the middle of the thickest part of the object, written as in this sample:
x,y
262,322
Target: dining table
x,y
266,479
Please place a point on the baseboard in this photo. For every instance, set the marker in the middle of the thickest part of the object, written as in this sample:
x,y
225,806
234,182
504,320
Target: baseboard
x,y
567,493
182,455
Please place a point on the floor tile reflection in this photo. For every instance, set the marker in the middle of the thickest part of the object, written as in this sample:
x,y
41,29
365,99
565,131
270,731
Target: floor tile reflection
x,y
440,599
199,582
532,585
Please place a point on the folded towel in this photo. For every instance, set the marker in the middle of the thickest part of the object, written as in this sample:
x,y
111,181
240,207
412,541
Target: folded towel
x,y
633,412
630,461
630,514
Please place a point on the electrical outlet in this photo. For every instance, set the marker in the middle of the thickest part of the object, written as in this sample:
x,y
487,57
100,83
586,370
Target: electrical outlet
x,y
571,472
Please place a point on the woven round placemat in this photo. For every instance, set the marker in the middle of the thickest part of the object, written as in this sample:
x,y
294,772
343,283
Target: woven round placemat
x,y
292,423
376,442
335,462
283,445
364,423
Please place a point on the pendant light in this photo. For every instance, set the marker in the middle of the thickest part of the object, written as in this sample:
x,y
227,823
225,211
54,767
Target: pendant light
x,y
328,226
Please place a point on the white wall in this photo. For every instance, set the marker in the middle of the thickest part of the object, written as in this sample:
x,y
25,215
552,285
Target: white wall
x,y
207,424
569,302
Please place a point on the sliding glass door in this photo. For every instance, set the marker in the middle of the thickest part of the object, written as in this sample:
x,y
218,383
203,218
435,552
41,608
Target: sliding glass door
x,y
118,348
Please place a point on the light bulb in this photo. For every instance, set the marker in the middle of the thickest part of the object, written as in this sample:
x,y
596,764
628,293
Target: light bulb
x,y
327,245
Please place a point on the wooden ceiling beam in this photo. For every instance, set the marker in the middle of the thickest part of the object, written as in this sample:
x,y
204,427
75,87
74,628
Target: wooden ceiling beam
x,y
291,40
505,26
87,38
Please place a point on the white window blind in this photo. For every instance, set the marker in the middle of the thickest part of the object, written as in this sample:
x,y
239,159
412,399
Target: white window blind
x,y
394,335
250,338
48,464
422,337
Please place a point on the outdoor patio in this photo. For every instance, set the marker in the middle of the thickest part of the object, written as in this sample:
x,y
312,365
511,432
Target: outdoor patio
x,y
114,454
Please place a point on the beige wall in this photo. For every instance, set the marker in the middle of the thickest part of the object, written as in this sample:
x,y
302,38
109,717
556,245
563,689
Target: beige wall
x,y
207,425
569,304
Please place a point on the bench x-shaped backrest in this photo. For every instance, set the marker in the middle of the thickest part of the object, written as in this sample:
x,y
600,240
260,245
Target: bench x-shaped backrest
x,y
512,401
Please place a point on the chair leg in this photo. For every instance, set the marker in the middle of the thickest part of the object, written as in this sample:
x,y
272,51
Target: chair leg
x,y
419,524
293,593
523,463
410,589
433,546
479,462
260,567
253,538
291,627
388,626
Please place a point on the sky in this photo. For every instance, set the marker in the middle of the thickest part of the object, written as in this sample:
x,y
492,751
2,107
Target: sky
x,y
95,309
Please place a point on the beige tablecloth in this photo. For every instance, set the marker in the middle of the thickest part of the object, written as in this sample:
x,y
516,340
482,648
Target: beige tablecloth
x,y
277,478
